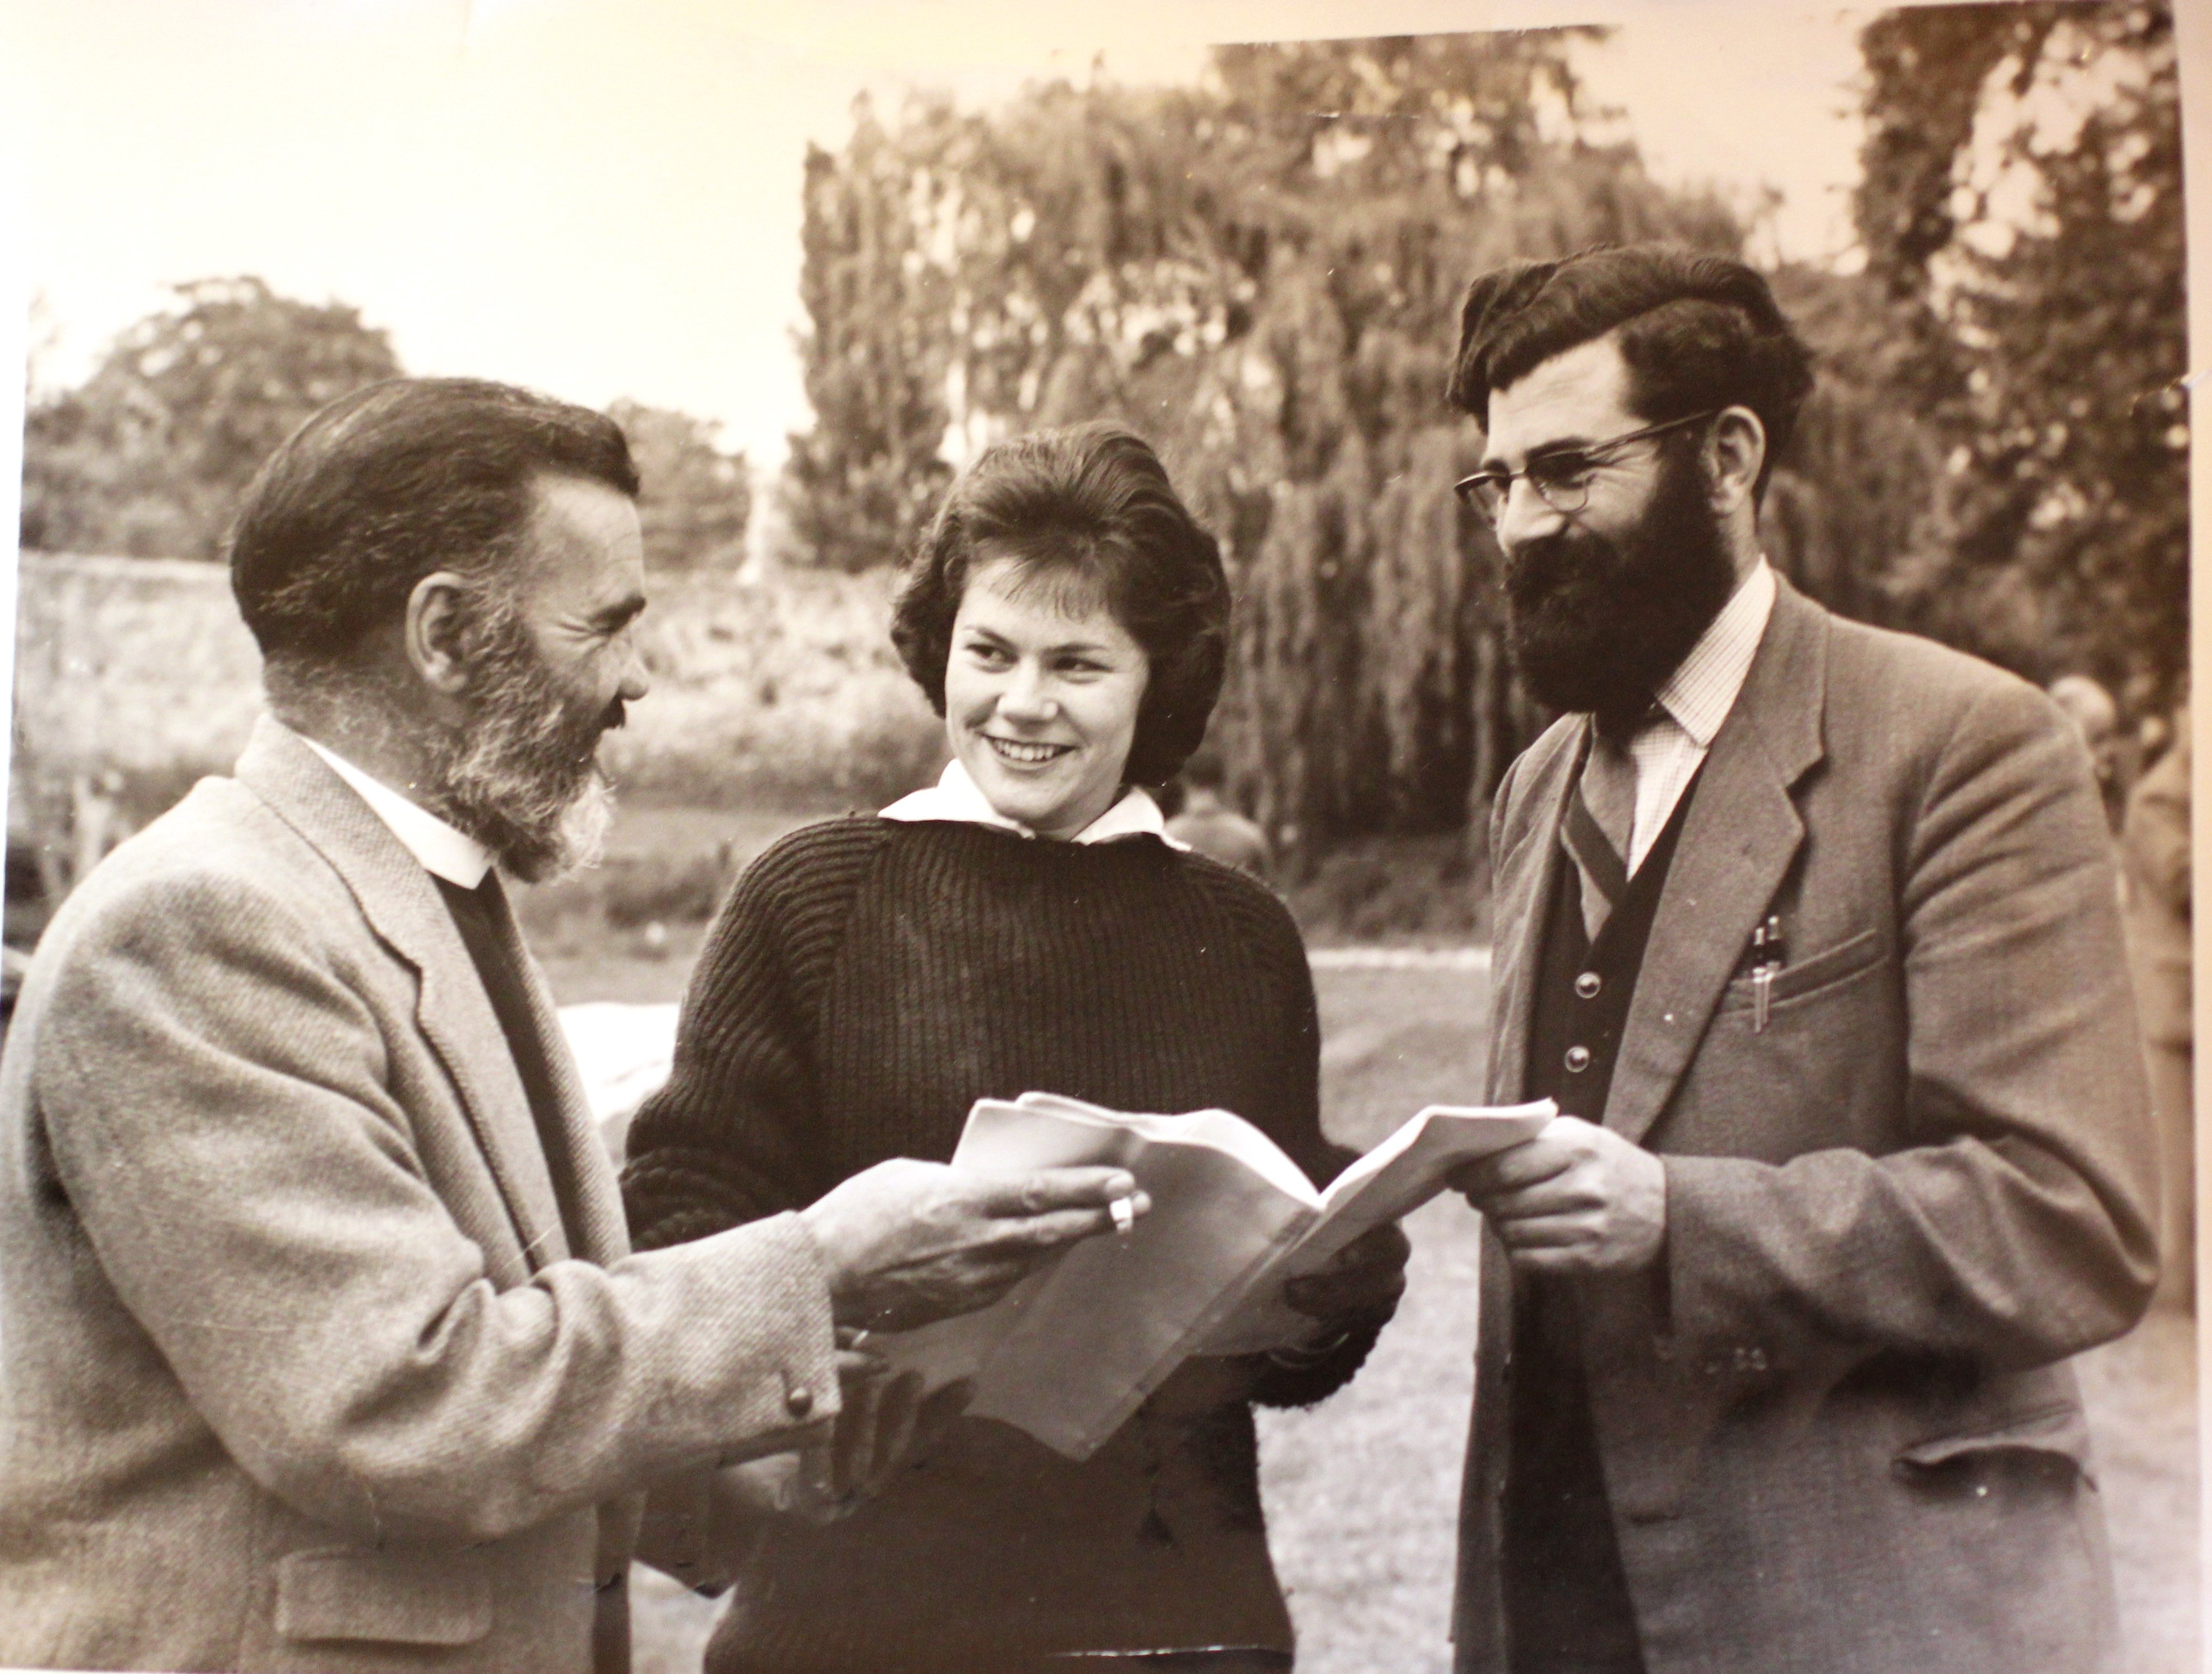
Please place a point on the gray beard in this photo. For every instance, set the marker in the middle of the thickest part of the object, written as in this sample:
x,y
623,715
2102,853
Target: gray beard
x,y
521,775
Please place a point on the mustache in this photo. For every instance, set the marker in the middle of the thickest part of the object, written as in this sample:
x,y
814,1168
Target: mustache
x,y
1539,570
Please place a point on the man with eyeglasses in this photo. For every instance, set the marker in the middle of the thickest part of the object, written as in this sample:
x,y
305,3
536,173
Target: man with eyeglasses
x,y
1810,929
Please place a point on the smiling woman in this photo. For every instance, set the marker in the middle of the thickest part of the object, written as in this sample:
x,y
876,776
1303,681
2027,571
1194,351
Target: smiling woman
x,y
1041,693
1024,924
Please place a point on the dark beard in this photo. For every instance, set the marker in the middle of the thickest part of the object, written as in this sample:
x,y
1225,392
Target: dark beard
x,y
521,775
1598,625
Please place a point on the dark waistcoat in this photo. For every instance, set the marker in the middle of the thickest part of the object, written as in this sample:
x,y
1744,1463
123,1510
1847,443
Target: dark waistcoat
x,y
1566,1596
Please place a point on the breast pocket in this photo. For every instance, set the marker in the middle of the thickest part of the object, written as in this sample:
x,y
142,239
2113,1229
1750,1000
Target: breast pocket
x,y
396,1597
1795,984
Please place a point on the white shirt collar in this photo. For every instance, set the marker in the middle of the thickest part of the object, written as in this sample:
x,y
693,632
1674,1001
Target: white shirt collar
x,y
1700,694
955,796
444,852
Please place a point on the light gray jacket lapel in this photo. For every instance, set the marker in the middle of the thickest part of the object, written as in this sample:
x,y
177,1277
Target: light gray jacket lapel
x,y
1740,834
402,904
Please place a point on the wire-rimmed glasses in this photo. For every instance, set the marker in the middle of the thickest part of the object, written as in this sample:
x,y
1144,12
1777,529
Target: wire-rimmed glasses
x,y
1560,477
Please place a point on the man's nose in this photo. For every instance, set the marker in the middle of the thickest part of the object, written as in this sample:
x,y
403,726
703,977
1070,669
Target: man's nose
x,y
636,683
1525,514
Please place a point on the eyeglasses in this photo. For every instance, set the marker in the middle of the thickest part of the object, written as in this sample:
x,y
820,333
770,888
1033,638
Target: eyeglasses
x,y
1561,479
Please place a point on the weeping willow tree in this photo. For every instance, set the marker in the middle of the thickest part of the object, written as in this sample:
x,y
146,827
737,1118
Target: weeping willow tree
x,y
1260,273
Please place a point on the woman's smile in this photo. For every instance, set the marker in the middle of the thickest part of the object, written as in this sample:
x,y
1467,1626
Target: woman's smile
x,y
1041,693
1024,752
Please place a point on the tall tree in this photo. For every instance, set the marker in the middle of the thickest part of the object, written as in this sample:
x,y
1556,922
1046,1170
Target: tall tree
x,y
696,499
148,457
1260,273
2021,209
861,482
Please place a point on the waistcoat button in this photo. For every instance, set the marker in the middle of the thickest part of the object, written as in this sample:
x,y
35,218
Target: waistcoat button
x,y
1578,1059
1588,984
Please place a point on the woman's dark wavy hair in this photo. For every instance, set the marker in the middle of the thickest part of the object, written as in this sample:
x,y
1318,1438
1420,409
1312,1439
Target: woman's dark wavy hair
x,y
1697,331
1091,500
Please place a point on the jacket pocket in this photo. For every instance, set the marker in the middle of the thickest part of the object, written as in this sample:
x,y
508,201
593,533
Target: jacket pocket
x,y
401,1598
2057,1435
1807,977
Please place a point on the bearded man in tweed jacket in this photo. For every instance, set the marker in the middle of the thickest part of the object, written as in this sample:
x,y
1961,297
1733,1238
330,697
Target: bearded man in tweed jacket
x,y
325,1345
1811,929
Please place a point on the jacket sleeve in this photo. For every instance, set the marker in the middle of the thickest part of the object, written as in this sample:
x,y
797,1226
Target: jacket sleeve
x,y
218,1100
732,1135
2013,1228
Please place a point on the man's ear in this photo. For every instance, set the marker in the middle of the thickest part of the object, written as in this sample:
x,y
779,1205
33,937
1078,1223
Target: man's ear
x,y
434,631
1738,451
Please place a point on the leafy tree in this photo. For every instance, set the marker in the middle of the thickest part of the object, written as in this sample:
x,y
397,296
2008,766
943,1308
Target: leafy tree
x,y
2021,212
1262,274
696,499
147,458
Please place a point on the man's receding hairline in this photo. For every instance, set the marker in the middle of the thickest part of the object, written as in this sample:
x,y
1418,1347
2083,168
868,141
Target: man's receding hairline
x,y
520,548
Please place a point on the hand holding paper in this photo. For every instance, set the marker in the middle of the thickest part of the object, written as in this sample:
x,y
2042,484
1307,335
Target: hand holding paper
x,y
1577,1198
1363,1279
1073,1350
908,1242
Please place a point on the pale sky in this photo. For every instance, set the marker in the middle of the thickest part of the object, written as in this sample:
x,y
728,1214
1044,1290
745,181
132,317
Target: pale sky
x,y
600,197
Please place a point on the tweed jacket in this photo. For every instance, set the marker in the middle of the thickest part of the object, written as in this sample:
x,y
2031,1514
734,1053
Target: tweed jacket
x,y
304,1367
1837,1429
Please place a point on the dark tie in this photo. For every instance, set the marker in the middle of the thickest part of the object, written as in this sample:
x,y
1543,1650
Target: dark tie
x,y
494,944
1600,816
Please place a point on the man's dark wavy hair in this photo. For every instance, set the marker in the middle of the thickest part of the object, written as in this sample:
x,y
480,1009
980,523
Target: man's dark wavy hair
x,y
1092,500
1698,332
382,487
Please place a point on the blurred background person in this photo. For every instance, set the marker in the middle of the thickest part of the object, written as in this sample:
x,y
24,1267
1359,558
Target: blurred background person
x,y
2154,863
2096,717
1024,923
1206,821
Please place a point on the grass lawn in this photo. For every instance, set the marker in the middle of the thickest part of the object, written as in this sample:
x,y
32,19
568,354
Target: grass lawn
x,y
1362,1491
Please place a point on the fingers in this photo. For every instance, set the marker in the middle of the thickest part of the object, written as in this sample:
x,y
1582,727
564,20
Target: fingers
x,y
1550,1232
1577,1192
1326,1295
1386,1245
853,1447
1048,1232
1051,1189
1368,1275
1551,1153
897,1414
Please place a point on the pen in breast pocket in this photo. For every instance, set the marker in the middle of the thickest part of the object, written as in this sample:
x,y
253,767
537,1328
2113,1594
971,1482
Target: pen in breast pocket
x,y
1767,947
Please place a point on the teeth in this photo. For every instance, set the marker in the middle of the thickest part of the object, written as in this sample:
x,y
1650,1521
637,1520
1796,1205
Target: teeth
x,y
1028,754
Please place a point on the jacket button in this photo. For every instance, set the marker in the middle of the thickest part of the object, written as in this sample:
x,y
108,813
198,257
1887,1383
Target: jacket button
x,y
799,1401
1588,984
1578,1059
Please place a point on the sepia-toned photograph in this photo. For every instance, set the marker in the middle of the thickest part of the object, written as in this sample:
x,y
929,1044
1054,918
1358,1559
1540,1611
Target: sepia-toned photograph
x,y
949,838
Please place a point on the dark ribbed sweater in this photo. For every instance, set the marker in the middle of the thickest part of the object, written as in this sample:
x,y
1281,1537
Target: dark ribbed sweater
x,y
867,982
